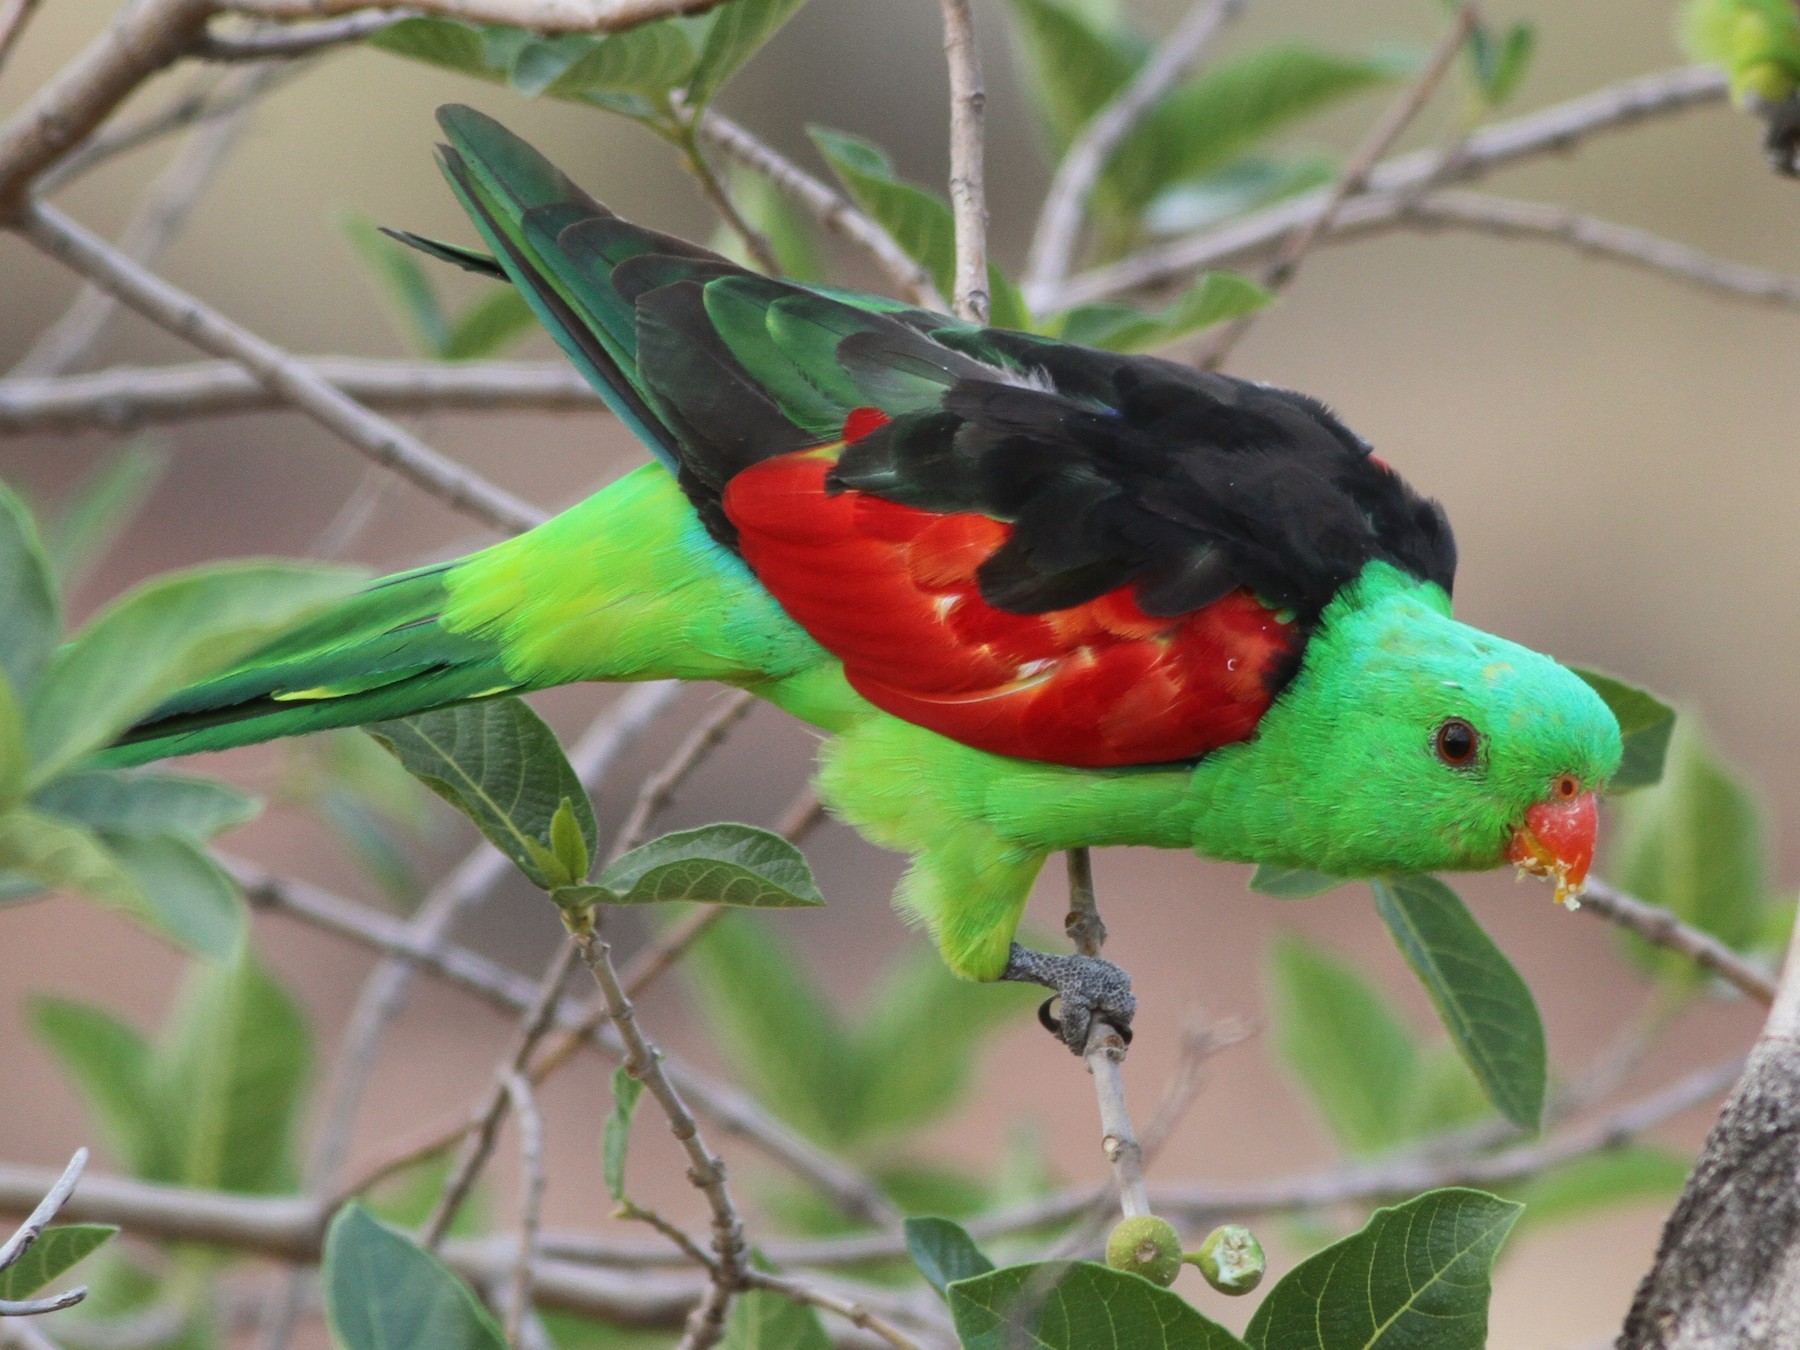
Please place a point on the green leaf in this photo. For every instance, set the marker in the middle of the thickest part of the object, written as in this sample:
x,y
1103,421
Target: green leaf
x,y
1445,1096
617,1137
187,897
1645,722
385,1292
905,1080
445,43
920,221
1085,1307
716,864
740,29
15,757
1500,63
1245,184
1416,1275
769,212
408,290
568,1331
167,633
1599,1182
99,509
1214,298
231,1070
650,59
1693,844
1353,1053
60,855
497,763
567,847
944,1253
1292,883
55,1251
774,1027
30,615
109,1064
488,325
1073,62
761,1320
1485,1006
194,809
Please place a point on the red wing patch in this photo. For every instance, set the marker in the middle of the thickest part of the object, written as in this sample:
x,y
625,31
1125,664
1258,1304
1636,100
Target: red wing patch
x,y
890,590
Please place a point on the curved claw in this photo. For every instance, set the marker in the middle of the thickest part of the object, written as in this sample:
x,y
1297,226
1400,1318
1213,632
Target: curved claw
x,y
1087,988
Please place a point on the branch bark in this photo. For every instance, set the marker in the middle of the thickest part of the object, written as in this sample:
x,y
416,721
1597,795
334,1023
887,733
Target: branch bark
x,y
543,16
968,180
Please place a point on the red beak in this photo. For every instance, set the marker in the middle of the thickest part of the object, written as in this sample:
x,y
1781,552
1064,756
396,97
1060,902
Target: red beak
x,y
1557,839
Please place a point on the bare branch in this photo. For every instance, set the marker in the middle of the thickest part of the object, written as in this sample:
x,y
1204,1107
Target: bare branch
x,y
165,210
543,16
826,206
1658,925
659,788
127,397
27,1234
1065,202
14,15
147,35
855,1313
531,1202
1726,1270
1355,177
756,244
968,183
706,1170
1561,127
182,314
285,42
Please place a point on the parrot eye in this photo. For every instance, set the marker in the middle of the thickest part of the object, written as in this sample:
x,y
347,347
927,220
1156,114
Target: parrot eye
x,y
1566,787
1456,742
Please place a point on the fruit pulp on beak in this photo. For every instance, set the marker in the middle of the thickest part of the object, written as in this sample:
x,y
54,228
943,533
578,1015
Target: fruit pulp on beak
x,y
1557,840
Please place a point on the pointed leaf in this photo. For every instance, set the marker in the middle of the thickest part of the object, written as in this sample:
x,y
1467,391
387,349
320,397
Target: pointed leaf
x,y
761,1320
650,59
194,809
716,864
231,1070
109,1064
1245,184
1078,1306
770,213
165,634
944,1253
445,43
1485,1006
1445,1096
187,897
1417,1274
567,848
617,1137
55,1251
1215,298
497,763
99,510
1693,844
15,756
1292,883
1351,1050
1073,62
488,325
30,614
60,855
385,1292
1599,1182
1645,722
740,29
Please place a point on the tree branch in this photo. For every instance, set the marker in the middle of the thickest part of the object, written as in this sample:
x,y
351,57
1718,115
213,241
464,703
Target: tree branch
x,y
285,42
1065,202
543,16
968,184
1355,177
127,397
1658,925
1558,128
182,314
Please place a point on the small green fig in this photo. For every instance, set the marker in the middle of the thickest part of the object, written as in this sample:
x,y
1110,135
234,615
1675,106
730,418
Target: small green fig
x,y
1147,1246
1231,1259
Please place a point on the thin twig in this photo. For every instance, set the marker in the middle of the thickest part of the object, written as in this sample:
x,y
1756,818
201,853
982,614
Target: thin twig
x,y
1657,925
660,787
531,1203
681,1240
968,182
1556,129
1066,201
706,1170
478,1146
1354,178
182,314
287,41
829,208
165,211
797,1291
25,1237
544,16
145,37
126,397
14,15
756,243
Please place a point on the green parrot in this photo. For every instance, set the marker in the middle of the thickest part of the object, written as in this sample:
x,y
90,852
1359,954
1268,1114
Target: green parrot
x,y
1038,596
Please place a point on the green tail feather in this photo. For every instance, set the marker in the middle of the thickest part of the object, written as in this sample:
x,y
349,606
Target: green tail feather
x,y
379,655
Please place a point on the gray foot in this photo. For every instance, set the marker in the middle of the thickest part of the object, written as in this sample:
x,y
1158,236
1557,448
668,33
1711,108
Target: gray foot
x,y
1086,986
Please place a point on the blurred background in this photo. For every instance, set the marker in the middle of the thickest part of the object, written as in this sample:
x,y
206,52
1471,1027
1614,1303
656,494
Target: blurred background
x,y
1615,450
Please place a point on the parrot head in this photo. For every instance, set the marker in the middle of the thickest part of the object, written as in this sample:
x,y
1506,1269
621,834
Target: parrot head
x,y
1409,742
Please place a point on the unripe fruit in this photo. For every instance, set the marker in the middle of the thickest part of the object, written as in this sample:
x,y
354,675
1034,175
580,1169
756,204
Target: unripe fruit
x,y
1231,1259
1147,1246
